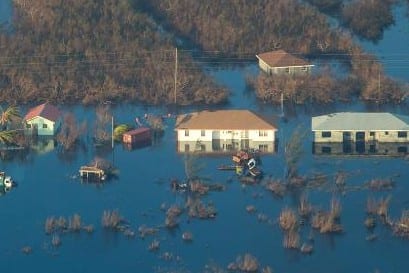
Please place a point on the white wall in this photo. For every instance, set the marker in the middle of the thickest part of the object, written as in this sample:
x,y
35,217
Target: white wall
x,y
254,135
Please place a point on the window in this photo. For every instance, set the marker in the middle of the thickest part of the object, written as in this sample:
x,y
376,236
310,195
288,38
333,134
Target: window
x,y
263,147
402,149
403,134
262,133
202,148
203,133
326,134
386,133
44,126
371,133
287,69
304,68
326,150
186,132
28,126
187,148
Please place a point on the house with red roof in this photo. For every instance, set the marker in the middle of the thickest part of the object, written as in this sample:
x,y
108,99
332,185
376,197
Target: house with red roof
x,y
43,120
282,62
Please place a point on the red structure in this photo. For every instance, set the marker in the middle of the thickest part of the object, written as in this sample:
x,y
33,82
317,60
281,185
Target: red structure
x,y
142,134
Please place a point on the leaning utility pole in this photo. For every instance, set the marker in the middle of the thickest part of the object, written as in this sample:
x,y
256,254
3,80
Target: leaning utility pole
x,y
176,74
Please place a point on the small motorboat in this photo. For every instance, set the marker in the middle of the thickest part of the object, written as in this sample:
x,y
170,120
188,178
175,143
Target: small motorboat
x,y
5,180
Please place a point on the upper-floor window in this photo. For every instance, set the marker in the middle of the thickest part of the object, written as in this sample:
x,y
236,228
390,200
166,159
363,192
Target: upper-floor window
x,y
186,132
304,68
262,133
28,126
371,133
326,134
203,133
403,134
287,69
45,126
386,133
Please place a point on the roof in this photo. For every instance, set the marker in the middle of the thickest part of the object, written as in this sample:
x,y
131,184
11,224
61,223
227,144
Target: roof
x,y
352,121
280,58
137,131
223,120
45,110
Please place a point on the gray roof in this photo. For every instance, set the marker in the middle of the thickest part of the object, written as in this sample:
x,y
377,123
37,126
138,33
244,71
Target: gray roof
x,y
349,121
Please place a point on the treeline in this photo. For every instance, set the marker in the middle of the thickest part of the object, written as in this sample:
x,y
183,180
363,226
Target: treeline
x,y
366,18
92,51
241,27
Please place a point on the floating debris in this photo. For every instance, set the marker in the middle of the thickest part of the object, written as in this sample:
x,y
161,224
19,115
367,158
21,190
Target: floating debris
x,y
306,248
380,184
370,222
27,250
154,245
145,231
187,236
251,209
56,241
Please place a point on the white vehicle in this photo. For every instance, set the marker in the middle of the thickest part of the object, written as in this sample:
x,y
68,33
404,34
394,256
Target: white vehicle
x,y
5,181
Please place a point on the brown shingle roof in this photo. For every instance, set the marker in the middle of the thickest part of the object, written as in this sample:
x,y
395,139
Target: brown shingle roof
x,y
223,120
44,110
280,58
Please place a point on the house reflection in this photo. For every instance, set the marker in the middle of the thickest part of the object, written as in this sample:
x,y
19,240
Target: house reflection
x,y
361,148
137,145
225,146
43,144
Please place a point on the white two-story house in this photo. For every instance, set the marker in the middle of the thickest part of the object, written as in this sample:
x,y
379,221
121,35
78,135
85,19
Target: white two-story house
x,y
224,130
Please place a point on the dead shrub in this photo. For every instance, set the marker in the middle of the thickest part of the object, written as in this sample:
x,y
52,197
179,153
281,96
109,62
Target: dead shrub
x,y
288,219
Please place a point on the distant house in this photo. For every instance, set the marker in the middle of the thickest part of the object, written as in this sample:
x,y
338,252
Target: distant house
x,y
43,120
224,130
281,62
360,127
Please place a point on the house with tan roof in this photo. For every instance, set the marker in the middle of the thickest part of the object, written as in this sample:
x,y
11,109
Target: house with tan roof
x,y
43,120
224,130
281,62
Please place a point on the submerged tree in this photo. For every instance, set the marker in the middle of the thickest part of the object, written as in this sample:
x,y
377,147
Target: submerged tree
x,y
293,151
70,132
103,124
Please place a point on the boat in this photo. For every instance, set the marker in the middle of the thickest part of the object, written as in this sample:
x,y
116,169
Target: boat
x,y
5,181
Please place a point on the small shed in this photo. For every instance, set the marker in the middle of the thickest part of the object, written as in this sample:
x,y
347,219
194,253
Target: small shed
x,y
142,134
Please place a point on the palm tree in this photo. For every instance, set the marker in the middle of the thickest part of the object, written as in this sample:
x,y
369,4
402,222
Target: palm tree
x,y
7,137
10,114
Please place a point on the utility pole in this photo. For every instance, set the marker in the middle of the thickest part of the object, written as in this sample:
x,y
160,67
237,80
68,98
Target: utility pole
x,y
112,132
176,73
282,104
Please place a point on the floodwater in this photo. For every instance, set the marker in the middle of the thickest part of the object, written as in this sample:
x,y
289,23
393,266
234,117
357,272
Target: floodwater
x,y
47,187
